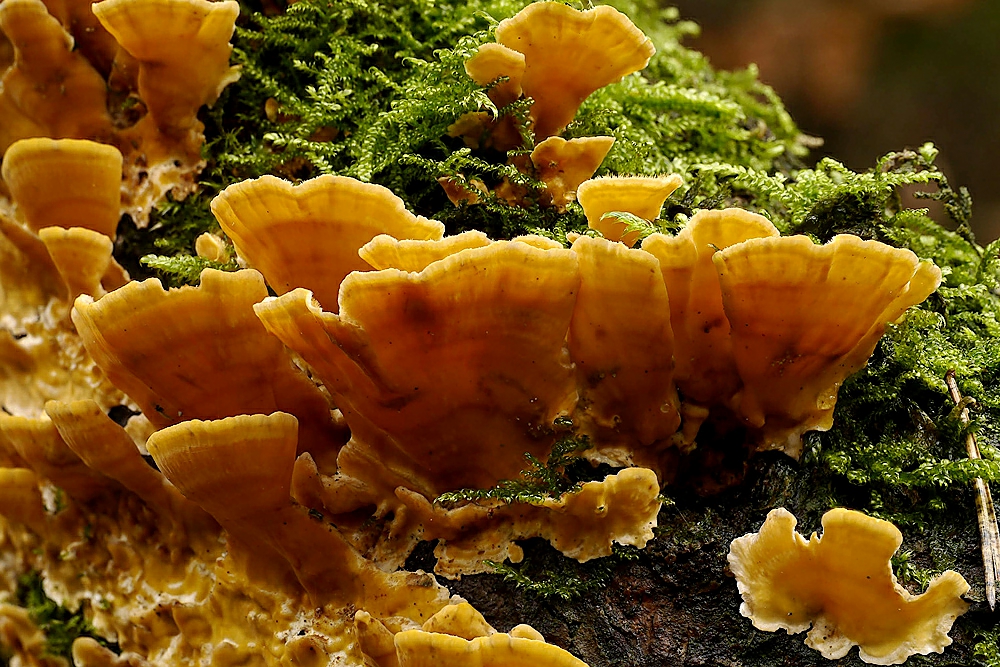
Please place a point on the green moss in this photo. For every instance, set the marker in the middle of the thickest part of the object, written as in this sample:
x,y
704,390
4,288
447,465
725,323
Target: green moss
x,y
61,626
541,480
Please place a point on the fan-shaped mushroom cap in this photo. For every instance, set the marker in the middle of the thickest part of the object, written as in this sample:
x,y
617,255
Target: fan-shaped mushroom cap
x,y
705,370
640,196
417,648
842,584
385,252
806,316
65,183
622,508
82,257
460,619
235,468
20,499
51,89
448,376
239,469
568,54
623,353
308,235
183,51
39,444
199,352
492,61
564,164
104,446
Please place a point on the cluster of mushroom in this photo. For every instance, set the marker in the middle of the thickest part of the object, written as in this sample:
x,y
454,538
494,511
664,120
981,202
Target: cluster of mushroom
x,y
202,353
315,429
113,72
528,61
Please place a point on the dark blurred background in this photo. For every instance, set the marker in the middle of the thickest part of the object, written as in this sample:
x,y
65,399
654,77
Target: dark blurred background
x,y
873,76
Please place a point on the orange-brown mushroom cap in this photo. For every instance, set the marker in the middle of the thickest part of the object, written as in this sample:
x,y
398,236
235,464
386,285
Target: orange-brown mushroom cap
x,y
806,316
842,584
448,376
568,54
639,195
65,183
492,61
51,89
564,164
199,352
705,369
183,51
308,235
623,351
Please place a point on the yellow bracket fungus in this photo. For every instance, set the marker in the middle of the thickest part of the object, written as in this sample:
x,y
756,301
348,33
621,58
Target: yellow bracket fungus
x,y
308,235
803,317
65,183
419,363
640,196
705,369
229,364
623,355
47,78
606,46
564,164
842,585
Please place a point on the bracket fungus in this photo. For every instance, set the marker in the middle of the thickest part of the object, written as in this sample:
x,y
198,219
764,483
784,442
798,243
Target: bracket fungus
x,y
65,183
229,364
308,235
47,78
418,361
71,60
842,585
606,46
804,316
56,245
640,196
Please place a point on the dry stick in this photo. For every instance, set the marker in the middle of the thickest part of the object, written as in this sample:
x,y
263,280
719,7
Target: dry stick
x,y
988,532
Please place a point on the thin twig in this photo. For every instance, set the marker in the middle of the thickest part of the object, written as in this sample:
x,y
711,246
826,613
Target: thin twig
x,y
988,532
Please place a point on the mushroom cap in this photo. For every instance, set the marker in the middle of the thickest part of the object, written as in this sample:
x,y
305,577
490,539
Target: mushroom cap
x,y
199,352
39,444
65,183
447,376
183,51
705,369
106,447
48,78
492,61
805,316
623,353
82,257
568,54
21,500
641,196
582,524
385,252
235,468
308,235
460,620
417,648
842,584
564,164
622,508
